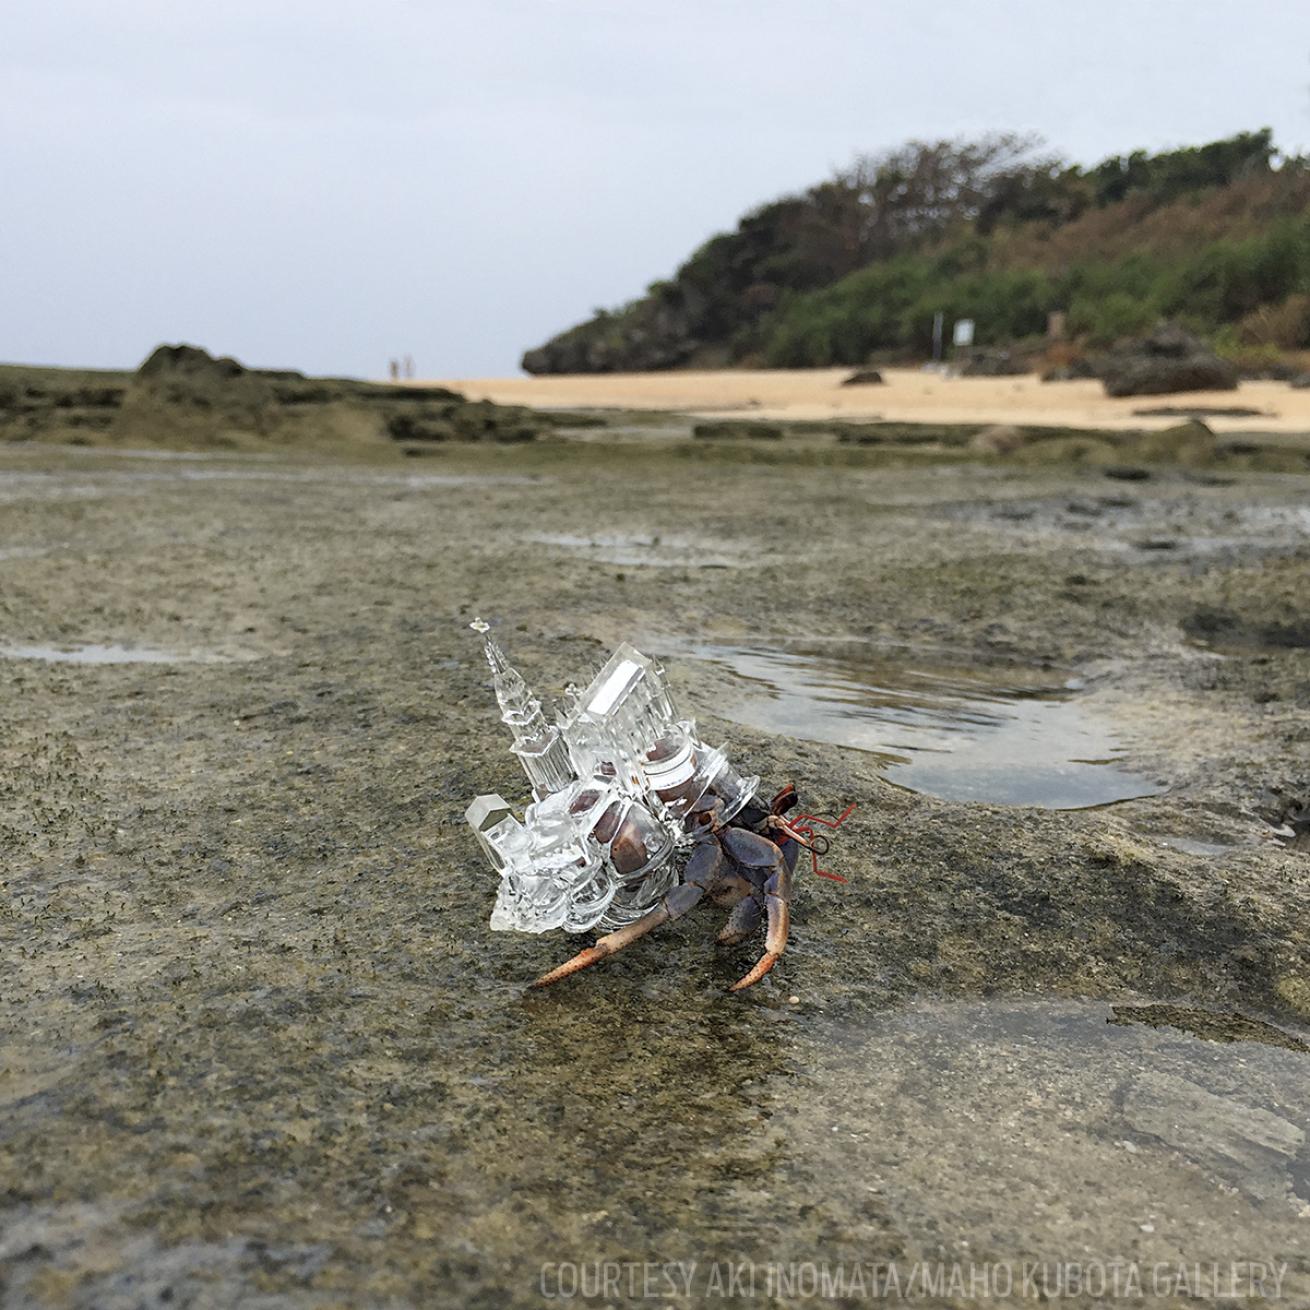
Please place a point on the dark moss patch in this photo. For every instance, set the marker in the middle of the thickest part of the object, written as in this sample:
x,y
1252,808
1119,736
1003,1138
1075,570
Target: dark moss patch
x,y
1213,1026
737,429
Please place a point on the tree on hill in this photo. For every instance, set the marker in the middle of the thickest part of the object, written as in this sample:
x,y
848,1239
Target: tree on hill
x,y
762,289
1167,176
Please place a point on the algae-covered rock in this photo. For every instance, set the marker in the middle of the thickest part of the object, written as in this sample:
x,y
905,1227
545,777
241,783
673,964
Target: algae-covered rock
x,y
1168,360
1190,443
73,405
1000,439
737,428
1071,449
182,395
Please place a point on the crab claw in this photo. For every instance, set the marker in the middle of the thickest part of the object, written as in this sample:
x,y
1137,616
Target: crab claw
x,y
743,920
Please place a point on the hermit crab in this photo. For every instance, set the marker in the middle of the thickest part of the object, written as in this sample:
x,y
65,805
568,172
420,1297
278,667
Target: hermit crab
x,y
745,864
634,820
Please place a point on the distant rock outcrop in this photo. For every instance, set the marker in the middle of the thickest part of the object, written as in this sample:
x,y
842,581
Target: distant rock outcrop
x,y
165,361
182,396
655,334
1167,361
183,391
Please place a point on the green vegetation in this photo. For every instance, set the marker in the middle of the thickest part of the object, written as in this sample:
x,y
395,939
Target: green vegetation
x,y
1214,236
1256,288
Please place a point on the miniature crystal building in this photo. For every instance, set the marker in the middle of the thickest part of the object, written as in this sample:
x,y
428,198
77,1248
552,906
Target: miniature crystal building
x,y
612,779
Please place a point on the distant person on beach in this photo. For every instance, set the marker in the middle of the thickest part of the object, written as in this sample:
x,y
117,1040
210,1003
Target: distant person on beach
x,y
393,367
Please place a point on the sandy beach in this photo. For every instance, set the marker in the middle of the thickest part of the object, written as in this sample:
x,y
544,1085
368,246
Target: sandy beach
x,y
906,395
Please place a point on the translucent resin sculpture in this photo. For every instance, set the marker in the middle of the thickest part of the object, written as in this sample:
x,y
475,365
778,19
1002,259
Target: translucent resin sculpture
x,y
613,779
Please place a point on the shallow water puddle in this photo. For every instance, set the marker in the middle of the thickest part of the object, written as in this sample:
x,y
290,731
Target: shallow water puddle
x,y
634,550
960,735
93,653
91,484
1194,846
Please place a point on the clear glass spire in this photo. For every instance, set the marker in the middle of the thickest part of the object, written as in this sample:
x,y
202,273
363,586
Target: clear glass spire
x,y
537,742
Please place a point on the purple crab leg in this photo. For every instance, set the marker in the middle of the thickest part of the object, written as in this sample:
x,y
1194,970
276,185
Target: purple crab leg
x,y
744,919
751,851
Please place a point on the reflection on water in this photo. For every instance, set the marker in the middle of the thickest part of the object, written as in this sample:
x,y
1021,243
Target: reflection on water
x,y
638,550
110,653
1194,846
959,734
90,484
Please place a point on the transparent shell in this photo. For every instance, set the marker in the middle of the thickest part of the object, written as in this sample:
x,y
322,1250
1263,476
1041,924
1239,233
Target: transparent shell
x,y
614,778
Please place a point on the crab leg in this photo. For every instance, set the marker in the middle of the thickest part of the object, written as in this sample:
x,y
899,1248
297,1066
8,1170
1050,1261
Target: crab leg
x,y
785,800
614,941
777,897
751,851
744,919
700,875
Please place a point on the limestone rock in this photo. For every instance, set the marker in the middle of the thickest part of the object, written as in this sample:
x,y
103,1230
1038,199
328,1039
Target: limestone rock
x,y
1238,1143
1001,439
1168,360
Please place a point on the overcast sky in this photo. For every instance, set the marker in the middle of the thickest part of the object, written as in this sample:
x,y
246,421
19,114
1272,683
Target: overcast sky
x,y
322,185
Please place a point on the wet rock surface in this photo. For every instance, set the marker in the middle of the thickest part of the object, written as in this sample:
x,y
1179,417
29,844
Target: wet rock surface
x,y
258,1043
1249,1146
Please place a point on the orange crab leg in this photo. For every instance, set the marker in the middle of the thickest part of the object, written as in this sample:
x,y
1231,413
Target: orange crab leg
x,y
752,851
777,893
607,945
702,874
